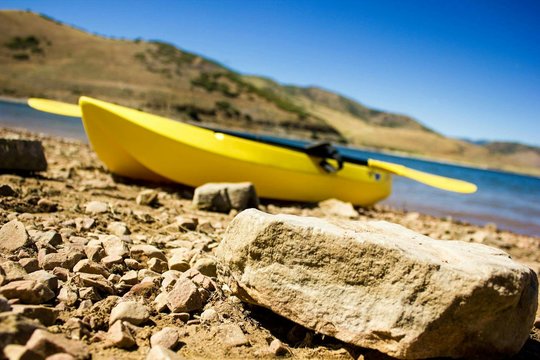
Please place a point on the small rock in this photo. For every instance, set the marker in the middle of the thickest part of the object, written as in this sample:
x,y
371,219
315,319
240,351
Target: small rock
x,y
209,316
157,265
206,266
133,264
131,311
13,236
12,270
120,336
68,295
334,207
187,223
65,259
29,264
184,297
118,228
60,273
90,267
182,316
114,245
146,252
160,302
147,197
51,238
96,281
232,335
166,337
46,278
89,293
110,260
130,277
277,348
6,190
161,353
46,205
222,197
44,344
27,291
178,262
96,207
45,315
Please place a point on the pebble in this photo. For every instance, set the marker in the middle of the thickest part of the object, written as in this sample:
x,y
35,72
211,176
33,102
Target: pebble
x,y
90,267
45,277
94,253
118,228
147,197
178,262
12,270
277,348
133,264
27,291
158,265
44,344
68,295
96,281
114,245
184,297
120,336
146,252
96,207
13,236
232,335
111,260
166,337
131,311
51,238
206,266
45,315
209,316
29,264
6,190
47,205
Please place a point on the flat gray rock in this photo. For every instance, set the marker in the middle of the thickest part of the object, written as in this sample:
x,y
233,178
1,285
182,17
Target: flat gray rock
x,y
381,286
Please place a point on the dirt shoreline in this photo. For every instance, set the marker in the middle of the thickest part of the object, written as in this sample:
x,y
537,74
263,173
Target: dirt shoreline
x,y
56,200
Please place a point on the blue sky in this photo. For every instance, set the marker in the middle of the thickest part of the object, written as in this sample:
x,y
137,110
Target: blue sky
x,y
464,68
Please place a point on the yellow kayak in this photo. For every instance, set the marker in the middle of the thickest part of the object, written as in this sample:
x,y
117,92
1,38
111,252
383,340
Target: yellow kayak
x,y
139,145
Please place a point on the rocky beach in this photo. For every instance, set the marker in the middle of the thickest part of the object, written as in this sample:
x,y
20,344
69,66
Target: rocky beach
x,y
95,266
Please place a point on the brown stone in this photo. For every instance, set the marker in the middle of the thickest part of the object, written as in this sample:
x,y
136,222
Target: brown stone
x,y
45,344
27,291
13,236
45,315
184,297
120,336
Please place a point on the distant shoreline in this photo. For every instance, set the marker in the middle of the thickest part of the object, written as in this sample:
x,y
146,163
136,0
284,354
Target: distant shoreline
x,y
400,154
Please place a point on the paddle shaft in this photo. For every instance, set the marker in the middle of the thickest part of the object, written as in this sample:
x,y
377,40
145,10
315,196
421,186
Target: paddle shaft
x,y
276,142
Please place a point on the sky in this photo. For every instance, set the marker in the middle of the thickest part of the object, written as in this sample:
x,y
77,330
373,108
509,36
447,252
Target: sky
x,y
463,68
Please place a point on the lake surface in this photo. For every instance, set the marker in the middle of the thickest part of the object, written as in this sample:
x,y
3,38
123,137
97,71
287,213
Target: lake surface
x,y
511,201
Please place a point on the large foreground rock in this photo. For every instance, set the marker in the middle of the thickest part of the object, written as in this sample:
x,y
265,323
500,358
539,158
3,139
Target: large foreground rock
x,y
381,286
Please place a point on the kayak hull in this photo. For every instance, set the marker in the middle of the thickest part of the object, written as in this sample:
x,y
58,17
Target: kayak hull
x,y
139,145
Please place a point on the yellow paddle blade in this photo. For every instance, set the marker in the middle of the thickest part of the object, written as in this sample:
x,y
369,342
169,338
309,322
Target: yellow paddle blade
x,y
433,180
55,107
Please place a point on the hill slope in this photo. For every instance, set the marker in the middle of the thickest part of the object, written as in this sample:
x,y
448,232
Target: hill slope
x,y
42,57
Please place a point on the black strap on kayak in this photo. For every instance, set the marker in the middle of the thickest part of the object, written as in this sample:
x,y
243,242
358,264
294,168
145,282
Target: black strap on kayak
x,y
325,151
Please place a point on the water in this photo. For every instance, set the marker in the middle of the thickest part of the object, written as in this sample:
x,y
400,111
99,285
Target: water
x,y
511,201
